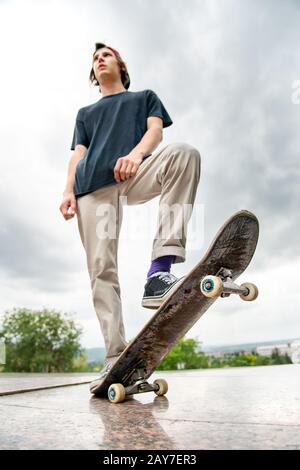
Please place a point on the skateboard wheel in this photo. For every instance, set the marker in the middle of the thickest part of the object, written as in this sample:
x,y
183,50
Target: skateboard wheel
x,y
162,387
211,286
252,294
116,393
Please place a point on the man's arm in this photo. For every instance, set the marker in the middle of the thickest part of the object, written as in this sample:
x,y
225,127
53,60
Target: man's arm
x,y
68,206
78,154
152,137
127,166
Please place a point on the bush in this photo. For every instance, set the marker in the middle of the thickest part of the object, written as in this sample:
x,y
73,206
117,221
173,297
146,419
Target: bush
x,y
40,341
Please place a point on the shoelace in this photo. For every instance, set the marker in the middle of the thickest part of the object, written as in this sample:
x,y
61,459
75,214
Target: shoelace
x,y
167,277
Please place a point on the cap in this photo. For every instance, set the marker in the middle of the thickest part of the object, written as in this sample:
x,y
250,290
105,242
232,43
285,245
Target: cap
x,y
99,45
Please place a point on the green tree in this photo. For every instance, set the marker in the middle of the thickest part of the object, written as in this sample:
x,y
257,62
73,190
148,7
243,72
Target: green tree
x,y
245,360
278,358
40,341
185,355
262,360
216,362
80,364
242,360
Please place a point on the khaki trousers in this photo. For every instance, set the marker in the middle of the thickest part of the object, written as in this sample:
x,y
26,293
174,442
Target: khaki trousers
x,y
173,173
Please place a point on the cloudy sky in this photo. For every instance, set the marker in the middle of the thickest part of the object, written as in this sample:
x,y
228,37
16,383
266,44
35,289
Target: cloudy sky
x,y
228,72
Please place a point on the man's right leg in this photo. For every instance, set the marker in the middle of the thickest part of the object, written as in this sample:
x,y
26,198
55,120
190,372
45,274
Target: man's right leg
x,y
99,216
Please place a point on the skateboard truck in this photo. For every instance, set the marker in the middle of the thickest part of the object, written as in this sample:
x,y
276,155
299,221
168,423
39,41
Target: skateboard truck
x,y
117,392
222,285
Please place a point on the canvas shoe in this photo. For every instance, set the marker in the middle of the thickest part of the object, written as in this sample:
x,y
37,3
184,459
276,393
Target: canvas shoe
x,y
158,288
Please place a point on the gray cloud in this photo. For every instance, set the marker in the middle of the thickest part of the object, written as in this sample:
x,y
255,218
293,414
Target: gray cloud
x,y
224,71
230,67
29,253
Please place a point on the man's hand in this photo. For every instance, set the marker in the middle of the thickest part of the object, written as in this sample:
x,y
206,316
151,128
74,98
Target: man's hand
x,y
68,207
127,166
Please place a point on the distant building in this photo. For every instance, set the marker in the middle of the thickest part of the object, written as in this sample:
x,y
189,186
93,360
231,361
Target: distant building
x,y
270,349
289,347
295,352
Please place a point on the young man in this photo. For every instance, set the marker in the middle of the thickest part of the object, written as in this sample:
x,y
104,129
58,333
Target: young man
x,y
113,142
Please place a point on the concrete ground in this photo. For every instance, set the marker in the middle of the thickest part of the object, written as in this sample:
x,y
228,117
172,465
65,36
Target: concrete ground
x,y
238,408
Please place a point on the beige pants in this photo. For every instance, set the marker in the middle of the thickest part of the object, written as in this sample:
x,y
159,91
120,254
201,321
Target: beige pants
x,y
173,173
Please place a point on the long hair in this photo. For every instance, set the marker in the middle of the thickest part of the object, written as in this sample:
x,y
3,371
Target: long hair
x,y
123,69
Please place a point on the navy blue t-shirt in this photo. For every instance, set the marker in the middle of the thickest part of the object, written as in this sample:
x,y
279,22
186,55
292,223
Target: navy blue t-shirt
x,y
110,129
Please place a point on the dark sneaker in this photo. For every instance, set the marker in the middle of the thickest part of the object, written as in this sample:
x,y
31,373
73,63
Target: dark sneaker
x,y
103,373
158,288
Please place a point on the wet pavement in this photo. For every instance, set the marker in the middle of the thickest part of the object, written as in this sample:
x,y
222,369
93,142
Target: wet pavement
x,y
237,408
20,383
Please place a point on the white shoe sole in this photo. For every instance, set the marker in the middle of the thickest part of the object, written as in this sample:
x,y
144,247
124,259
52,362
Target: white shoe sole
x,y
95,384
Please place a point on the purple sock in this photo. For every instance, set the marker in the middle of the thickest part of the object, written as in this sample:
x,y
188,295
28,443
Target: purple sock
x,y
161,264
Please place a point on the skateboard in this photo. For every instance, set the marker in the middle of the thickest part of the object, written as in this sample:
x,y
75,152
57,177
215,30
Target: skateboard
x,y
227,257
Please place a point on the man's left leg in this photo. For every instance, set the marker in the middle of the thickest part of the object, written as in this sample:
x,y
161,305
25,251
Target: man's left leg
x,y
174,173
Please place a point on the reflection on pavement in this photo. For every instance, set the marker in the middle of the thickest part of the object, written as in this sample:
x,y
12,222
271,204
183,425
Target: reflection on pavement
x,y
132,424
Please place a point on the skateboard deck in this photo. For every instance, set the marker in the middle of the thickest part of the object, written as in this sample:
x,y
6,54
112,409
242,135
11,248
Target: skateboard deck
x,y
227,257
